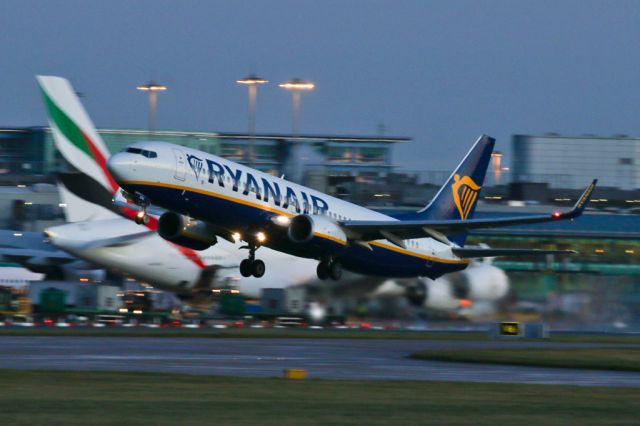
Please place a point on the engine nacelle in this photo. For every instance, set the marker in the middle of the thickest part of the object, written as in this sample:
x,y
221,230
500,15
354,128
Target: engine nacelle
x,y
185,231
480,282
433,294
304,227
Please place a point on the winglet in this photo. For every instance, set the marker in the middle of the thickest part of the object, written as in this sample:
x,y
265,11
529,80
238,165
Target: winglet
x,y
580,205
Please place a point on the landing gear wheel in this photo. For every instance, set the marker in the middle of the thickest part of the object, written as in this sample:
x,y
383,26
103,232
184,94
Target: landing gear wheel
x,y
258,268
246,268
335,270
323,271
142,218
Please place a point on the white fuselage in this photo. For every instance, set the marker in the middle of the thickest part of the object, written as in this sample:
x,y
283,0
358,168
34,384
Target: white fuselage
x,y
219,191
117,244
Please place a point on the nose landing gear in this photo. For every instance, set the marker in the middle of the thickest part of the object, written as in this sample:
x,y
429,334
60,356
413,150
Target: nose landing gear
x,y
142,218
329,268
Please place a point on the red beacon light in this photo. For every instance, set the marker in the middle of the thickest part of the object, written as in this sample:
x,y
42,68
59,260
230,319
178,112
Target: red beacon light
x,y
557,215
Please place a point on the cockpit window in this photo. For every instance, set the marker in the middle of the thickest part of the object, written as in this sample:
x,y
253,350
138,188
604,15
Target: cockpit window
x,y
144,152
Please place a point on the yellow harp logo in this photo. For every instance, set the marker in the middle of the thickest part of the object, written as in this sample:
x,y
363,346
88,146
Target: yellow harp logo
x,y
465,192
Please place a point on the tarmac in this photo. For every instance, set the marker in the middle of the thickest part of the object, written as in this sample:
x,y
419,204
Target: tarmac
x,y
267,357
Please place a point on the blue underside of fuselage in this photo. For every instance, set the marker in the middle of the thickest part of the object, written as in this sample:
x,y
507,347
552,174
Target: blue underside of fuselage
x,y
231,215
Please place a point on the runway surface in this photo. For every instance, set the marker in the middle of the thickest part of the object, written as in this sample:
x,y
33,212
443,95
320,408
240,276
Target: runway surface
x,y
322,358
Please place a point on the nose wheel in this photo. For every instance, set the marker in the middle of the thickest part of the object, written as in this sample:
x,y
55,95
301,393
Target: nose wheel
x,y
329,268
142,218
252,266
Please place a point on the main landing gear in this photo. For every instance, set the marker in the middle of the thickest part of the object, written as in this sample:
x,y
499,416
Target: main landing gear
x,y
252,266
329,268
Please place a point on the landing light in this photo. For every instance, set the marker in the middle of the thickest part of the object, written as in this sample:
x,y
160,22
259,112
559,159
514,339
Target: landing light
x,y
283,220
261,237
236,236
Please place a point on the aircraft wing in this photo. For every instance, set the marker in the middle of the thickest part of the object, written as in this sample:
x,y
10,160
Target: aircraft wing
x,y
396,231
474,252
14,253
31,250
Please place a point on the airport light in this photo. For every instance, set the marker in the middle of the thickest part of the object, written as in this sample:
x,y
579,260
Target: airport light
x,y
496,160
252,81
296,86
152,88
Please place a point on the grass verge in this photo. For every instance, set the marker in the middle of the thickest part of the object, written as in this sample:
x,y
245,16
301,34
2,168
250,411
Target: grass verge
x,y
622,359
105,398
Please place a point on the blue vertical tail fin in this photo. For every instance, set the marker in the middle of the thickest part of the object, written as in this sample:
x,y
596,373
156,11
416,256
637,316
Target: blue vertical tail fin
x,y
458,197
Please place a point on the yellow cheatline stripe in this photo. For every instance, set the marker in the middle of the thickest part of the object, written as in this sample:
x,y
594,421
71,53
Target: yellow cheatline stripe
x,y
420,255
210,193
285,213
329,237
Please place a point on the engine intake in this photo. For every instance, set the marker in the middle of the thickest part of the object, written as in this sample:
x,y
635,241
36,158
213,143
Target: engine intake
x,y
303,228
185,231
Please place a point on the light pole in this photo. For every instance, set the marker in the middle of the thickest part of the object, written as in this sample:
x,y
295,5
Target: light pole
x,y
252,82
153,88
296,86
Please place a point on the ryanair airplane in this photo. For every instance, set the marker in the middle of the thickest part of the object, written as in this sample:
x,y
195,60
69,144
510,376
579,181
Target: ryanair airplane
x,y
209,197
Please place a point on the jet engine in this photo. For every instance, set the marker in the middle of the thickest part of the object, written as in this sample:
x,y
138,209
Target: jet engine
x,y
480,282
304,227
185,231
433,294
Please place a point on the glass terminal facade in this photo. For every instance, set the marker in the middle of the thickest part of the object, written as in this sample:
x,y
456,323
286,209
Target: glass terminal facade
x,y
571,162
28,151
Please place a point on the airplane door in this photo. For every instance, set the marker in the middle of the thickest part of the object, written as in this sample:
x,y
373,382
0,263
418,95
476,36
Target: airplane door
x,y
181,167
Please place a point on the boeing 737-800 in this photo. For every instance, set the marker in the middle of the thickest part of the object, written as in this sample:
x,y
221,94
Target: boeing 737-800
x,y
209,197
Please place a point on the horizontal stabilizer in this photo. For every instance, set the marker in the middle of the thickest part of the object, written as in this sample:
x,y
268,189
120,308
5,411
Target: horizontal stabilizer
x,y
467,253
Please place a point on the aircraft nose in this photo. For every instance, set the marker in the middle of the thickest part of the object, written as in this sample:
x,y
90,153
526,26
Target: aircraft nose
x,y
120,166
57,237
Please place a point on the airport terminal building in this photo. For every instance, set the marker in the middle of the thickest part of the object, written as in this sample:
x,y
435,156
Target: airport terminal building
x,y
29,154
571,162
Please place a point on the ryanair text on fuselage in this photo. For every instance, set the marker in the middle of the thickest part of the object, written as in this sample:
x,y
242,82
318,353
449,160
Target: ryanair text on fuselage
x,y
263,190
